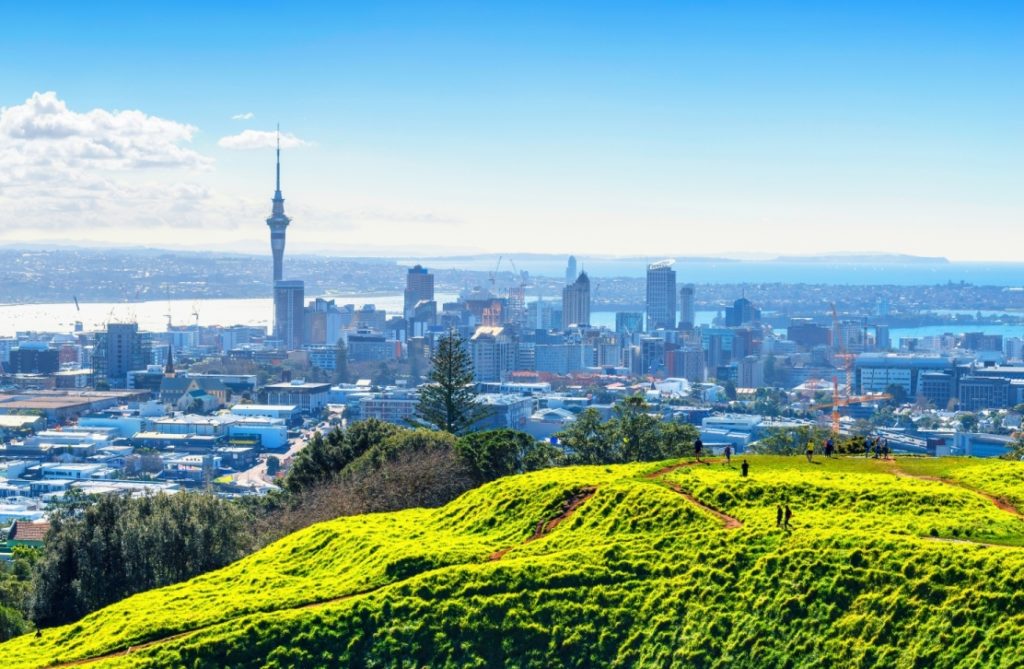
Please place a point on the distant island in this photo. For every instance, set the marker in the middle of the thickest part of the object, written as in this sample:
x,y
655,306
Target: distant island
x,y
867,258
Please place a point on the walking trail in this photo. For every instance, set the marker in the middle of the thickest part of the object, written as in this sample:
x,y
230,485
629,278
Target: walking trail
x,y
728,522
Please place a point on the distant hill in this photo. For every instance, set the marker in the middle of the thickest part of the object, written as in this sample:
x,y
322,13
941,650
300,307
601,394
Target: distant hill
x,y
916,563
867,259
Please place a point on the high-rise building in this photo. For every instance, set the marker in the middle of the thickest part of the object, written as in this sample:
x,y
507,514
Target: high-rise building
x,y
629,322
119,350
570,270
741,312
576,302
278,222
419,287
289,313
661,296
324,322
687,307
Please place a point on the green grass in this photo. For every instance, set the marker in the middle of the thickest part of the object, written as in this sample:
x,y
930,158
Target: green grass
x,y
880,569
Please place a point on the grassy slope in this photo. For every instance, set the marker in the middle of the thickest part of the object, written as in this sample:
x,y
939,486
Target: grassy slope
x,y
881,569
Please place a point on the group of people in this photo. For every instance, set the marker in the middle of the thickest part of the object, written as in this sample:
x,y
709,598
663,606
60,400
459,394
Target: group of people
x,y
698,449
829,448
782,517
879,446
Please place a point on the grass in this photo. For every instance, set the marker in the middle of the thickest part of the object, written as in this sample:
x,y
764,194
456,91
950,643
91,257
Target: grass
x,y
882,568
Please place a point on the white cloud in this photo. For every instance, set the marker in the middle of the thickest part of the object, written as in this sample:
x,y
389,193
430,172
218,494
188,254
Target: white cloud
x,y
243,117
43,132
259,139
63,169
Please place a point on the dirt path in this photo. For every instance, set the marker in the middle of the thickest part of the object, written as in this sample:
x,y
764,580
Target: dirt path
x,y
671,468
728,522
180,635
545,527
999,502
951,540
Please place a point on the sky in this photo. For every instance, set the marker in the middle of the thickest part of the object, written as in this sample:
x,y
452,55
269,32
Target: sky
x,y
629,128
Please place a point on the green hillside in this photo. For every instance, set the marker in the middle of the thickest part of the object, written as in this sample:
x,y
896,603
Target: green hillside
x,y
916,563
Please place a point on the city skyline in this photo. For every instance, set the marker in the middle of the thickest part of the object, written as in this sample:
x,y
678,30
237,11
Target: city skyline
x,y
411,130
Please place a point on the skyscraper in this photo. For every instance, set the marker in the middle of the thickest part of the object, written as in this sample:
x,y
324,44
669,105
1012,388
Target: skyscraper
x,y
687,309
119,350
576,302
661,295
570,270
289,313
278,222
419,287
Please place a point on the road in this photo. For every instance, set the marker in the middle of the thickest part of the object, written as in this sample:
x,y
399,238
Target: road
x,y
257,474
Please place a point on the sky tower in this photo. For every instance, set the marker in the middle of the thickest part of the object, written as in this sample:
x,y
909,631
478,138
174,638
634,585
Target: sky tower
x,y
278,222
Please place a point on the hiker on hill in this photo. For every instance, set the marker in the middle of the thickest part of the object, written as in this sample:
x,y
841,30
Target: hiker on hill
x,y
885,448
744,468
778,516
810,451
698,448
830,447
788,516
728,454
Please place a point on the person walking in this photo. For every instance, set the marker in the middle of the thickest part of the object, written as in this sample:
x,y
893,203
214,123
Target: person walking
x,y
810,451
788,516
830,447
778,516
698,448
728,454
744,468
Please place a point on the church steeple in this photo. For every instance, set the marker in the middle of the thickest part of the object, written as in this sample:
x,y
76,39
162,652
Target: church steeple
x,y
169,367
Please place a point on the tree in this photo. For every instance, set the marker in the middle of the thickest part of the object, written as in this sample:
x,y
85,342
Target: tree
x,y
384,376
273,465
324,457
496,453
586,441
1015,449
449,401
341,362
121,545
899,394
968,422
636,431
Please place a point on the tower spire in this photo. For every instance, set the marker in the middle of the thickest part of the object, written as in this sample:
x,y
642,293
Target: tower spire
x,y
278,222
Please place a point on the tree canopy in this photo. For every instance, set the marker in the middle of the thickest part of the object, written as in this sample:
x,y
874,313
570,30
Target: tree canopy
x,y
449,401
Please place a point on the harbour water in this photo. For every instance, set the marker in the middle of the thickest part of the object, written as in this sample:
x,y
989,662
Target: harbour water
x,y
153,316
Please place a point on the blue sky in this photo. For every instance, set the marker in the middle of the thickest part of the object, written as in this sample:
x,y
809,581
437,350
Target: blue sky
x,y
646,128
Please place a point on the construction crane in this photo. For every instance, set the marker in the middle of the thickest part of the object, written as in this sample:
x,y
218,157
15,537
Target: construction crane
x,y
845,397
839,402
517,297
493,275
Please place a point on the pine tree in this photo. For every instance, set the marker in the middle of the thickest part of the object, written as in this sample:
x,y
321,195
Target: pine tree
x,y
448,401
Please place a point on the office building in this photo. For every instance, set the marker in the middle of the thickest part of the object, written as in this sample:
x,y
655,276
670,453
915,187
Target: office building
x,y
570,270
807,334
576,302
118,351
33,358
661,296
687,307
741,312
629,322
324,323
494,353
419,287
289,313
